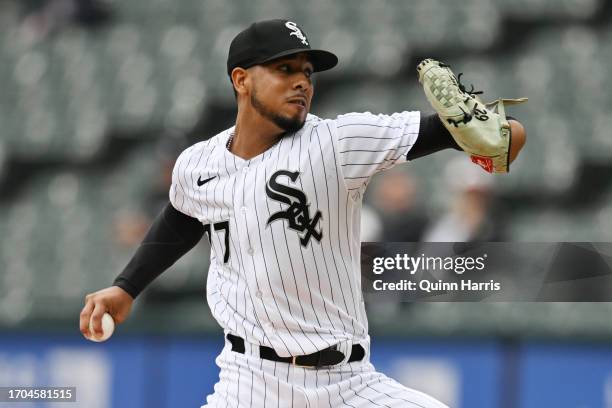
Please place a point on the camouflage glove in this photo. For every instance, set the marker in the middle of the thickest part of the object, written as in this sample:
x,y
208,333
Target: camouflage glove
x,y
480,129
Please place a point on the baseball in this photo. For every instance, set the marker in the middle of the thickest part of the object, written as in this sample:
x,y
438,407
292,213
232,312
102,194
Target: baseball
x,y
108,326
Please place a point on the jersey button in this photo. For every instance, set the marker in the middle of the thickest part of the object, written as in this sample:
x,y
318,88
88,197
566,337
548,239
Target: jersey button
x,y
250,251
258,294
243,210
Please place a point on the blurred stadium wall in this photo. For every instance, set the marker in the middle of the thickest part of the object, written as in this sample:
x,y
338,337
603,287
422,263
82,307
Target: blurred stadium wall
x,y
98,98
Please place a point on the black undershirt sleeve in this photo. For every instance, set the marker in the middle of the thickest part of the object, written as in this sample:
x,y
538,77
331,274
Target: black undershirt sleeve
x,y
433,137
170,237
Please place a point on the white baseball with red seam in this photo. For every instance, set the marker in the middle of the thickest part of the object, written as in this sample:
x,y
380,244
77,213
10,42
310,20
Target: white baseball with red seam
x,y
108,327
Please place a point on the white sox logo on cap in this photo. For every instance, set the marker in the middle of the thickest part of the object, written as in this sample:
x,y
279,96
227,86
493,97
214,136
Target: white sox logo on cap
x,y
296,31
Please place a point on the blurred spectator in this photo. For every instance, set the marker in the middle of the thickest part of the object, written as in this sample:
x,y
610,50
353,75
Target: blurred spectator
x,y
47,17
167,151
131,225
469,216
395,198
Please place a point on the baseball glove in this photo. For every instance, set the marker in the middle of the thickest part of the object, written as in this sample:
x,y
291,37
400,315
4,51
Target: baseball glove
x,y
480,129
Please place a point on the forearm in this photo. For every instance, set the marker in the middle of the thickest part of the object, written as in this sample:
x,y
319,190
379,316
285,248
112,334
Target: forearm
x,y
171,236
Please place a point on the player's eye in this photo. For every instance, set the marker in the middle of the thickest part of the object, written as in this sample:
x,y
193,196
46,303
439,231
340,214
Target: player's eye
x,y
284,68
308,72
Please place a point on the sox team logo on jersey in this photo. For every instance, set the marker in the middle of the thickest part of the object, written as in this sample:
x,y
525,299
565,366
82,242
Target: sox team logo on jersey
x,y
298,212
296,31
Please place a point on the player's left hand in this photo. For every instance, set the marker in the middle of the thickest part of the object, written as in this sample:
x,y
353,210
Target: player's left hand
x,y
481,130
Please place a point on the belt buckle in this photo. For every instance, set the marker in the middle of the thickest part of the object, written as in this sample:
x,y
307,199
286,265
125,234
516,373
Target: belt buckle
x,y
293,362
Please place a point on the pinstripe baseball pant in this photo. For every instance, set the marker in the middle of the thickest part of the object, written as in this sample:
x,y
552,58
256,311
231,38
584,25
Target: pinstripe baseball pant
x,y
248,381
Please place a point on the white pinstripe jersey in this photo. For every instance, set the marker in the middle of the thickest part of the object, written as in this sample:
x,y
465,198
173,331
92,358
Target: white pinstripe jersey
x,y
284,227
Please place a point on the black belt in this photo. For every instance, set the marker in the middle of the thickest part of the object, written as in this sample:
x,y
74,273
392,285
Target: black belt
x,y
326,357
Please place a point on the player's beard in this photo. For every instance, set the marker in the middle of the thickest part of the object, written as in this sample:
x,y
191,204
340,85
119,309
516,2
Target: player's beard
x,y
288,124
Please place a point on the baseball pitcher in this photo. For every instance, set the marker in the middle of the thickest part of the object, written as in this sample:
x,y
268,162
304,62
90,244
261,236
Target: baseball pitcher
x,y
278,196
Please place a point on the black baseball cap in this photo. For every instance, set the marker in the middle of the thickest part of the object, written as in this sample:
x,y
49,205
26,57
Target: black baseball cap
x,y
268,40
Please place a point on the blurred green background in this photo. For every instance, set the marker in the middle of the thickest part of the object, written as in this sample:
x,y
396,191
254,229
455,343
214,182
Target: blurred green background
x,y
96,105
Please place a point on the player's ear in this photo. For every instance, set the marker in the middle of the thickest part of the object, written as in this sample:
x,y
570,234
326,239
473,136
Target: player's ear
x,y
240,79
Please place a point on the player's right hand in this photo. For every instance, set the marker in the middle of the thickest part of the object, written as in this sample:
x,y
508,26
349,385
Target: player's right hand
x,y
114,300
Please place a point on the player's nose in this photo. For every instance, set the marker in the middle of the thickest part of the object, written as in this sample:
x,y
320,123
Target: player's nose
x,y
302,82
